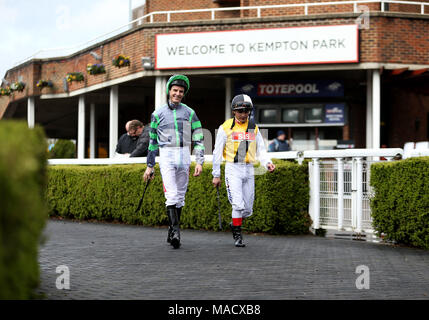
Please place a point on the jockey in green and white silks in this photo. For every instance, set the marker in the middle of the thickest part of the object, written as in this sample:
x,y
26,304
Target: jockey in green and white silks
x,y
175,128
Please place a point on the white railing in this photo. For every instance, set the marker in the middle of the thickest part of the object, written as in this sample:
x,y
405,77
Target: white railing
x,y
418,153
111,161
305,6
416,149
339,187
67,51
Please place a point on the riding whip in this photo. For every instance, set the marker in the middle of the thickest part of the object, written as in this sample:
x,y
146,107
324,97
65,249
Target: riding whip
x,y
218,202
144,191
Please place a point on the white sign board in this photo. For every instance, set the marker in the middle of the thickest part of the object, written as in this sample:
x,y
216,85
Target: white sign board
x,y
280,46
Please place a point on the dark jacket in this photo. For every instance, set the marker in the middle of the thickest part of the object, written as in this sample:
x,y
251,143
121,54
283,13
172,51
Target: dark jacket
x,y
278,145
126,144
142,143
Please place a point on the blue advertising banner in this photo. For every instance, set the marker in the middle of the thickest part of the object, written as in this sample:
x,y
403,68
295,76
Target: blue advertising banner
x,y
291,89
334,113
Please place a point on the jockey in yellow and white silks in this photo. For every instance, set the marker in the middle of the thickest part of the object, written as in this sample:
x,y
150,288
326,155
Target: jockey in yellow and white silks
x,y
240,143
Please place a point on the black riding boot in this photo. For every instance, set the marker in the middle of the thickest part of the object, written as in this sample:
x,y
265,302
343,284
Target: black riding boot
x,y
174,229
170,227
236,234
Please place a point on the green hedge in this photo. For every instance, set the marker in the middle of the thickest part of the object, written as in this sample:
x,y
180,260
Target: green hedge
x,y
23,211
63,149
113,192
400,207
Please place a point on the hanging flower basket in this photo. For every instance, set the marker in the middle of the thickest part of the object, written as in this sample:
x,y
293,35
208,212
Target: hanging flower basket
x,y
95,69
121,61
5,91
75,76
17,86
44,83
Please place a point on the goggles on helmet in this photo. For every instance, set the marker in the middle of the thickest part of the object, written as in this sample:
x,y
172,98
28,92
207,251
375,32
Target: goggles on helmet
x,y
245,106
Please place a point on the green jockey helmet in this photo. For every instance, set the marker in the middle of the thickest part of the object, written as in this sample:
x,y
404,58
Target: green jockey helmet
x,y
178,80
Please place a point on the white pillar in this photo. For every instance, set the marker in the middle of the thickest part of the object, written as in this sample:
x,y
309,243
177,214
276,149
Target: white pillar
x,y
376,107
31,112
228,98
92,131
369,109
113,120
316,193
340,190
160,92
81,128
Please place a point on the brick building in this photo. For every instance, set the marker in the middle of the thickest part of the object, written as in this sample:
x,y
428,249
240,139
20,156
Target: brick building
x,y
352,73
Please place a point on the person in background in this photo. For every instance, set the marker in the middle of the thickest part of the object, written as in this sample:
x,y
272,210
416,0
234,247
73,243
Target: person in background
x,y
128,141
141,149
279,144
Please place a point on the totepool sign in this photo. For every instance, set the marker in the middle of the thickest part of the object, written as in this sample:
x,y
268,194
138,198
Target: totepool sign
x,y
281,46
292,89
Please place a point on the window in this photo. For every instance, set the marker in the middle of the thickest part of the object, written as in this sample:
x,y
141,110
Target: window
x,y
290,115
313,115
268,115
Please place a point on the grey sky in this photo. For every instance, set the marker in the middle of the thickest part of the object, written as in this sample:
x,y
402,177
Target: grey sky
x,y
30,26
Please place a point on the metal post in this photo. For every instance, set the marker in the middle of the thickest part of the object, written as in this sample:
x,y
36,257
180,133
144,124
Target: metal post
x,y
359,194
113,120
315,195
81,128
316,134
228,98
31,112
340,190
354,195
92,131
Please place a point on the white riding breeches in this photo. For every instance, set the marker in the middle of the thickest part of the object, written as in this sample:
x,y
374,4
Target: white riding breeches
x,y
174,165
240,185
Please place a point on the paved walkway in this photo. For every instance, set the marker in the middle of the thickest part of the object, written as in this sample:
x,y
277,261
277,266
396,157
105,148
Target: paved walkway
x,y
111,261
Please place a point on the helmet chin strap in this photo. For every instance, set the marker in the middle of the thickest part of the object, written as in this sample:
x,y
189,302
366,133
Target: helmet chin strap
x,y
248,117
171,105
239,121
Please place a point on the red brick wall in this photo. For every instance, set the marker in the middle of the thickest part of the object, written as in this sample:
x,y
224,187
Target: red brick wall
x,y
395,41
30,75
